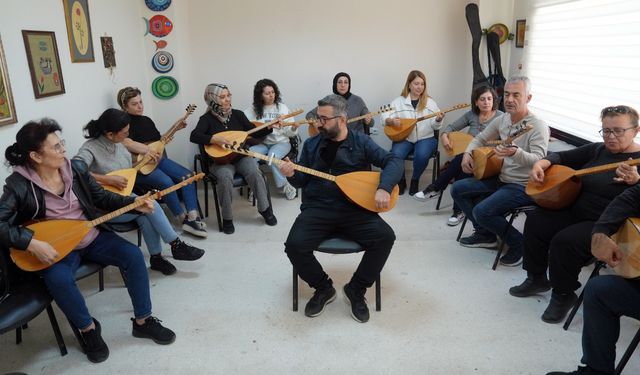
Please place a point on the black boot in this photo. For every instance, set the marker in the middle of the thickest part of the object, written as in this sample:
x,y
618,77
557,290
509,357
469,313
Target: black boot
x,y
268,216
402,185
532,285
414,187
559,306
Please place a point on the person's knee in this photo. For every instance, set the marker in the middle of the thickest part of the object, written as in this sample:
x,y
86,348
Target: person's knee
x,y
59,280
597,287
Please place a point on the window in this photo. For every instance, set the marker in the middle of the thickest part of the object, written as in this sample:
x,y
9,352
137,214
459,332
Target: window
x,y
582,56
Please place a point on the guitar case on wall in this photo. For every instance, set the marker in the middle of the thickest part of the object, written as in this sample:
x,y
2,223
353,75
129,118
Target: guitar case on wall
x,y
496,77
473,20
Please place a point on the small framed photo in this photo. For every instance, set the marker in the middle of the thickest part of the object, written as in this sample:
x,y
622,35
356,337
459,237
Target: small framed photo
x,y
44,63
520,30
76,15
7,108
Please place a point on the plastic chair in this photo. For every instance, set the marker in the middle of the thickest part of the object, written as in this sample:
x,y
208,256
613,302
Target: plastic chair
x,y
336,246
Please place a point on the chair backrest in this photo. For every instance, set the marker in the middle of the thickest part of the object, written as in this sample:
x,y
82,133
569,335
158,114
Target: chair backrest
x,y
10,274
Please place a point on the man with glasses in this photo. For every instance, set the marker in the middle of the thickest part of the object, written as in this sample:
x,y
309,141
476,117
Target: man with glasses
x,y
327,213
560,240
485,202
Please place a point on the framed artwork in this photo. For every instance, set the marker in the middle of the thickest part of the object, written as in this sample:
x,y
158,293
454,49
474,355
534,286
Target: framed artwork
x,y
76,13
7,109
520,29
108,53
44,62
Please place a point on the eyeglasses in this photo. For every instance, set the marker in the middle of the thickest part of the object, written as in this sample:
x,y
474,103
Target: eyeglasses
x,y
323,120
617,132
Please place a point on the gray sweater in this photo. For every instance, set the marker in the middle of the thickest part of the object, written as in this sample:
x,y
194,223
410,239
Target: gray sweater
x,y
355,108
472,120
103,156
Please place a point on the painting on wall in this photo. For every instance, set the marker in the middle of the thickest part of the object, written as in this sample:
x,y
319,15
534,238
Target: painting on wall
x,y
520,29
76,14
7,108
44,63
108,53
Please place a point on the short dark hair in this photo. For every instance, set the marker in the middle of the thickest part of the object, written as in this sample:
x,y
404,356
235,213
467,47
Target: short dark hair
x,y
619,110
477,93
337,102
30,138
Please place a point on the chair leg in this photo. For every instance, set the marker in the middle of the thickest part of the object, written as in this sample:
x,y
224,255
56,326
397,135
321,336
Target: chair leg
x,y
464,222
378,298
206,198
139,237
101,279
78,335
217,203
514,214
627,354
439,199
295,289
18,335
56,331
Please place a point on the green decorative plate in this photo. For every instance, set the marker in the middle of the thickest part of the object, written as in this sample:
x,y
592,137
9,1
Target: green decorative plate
x,y
164,87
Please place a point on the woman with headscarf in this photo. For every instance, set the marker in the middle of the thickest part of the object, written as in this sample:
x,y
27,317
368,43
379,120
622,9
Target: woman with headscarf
x,y
355,104
220,117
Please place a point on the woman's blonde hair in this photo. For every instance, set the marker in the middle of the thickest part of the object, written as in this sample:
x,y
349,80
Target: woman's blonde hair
x,y
422,102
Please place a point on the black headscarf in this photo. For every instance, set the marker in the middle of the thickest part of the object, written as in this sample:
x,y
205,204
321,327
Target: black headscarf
x,y
335,85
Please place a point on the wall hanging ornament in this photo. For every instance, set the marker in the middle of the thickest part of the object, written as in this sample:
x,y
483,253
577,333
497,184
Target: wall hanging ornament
x,y
162,62
158,26
44,63
76,15
157,5
108,53
160,44
7,108
164,87
501,29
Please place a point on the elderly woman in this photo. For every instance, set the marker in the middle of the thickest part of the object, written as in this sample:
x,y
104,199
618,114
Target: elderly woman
x,y
267,106
46,185
561,240
484,104
414,102
355,105
220,117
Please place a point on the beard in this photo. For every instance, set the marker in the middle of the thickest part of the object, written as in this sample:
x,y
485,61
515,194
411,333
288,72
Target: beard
x,y
329,133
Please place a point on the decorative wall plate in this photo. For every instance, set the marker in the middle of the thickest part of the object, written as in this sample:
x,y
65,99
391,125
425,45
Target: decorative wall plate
x,y
501,29
157,5
164,87
162,62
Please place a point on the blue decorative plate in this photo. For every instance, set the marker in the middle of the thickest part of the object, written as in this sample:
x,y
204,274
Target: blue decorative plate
x,y
164,87
157,5
162,62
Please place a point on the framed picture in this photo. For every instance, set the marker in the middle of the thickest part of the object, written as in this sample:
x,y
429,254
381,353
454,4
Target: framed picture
x,y
520,29
76,13
7,109
44,63
108,53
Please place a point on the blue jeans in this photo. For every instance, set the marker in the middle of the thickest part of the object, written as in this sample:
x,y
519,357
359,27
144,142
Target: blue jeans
x,y
280,150
485,202
108,249
167,174
606,298
154,227
423,150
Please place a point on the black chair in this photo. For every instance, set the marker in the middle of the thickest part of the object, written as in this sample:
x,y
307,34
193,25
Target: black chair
x,y
599,265
512,214
24,296
627,353
336,246
238,182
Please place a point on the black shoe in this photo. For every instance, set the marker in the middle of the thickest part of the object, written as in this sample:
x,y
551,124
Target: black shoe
x,y
160,263
94,346
559,306
586,370
488,241
402,185
413,188
512,258
227,226
321,298
355,298
531,286
183,251
195,227
268,216
152,329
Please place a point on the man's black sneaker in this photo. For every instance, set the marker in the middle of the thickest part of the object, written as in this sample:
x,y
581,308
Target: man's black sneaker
x,y
530,287
227,226
488,241
183,251
321,297
160,263
512,258
355,298
94,346
152,329
586,370
268,216
559,306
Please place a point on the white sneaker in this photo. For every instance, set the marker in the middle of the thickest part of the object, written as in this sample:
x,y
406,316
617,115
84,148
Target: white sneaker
x,y
455,219
250,196
289,191
422,197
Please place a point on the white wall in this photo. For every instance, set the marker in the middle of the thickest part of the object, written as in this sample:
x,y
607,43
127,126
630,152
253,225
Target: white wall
x,y
299,44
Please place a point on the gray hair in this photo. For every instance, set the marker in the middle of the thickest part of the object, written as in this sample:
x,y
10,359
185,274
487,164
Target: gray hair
x,y
516,79
337,102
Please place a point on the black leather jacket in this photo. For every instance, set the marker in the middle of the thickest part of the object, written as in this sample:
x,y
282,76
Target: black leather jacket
x,y
18,204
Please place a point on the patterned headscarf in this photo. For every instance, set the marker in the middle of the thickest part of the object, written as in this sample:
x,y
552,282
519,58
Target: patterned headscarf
x,y
211,97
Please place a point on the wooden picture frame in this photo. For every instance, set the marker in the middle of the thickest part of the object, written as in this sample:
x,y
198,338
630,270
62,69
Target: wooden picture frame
x,y
7,107
520,31
76,15
44,63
